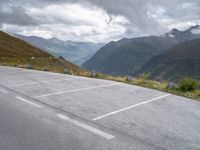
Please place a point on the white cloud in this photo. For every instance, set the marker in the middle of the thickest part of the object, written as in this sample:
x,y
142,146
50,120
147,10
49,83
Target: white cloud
x,y
73,22
97,20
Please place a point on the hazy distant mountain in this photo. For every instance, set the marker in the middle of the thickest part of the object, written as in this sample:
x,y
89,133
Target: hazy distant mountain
x,y
127,56
179,61
14,51
75,52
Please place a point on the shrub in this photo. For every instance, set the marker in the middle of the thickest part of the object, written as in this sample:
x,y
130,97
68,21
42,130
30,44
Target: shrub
x,y
146,76
97,75
187,85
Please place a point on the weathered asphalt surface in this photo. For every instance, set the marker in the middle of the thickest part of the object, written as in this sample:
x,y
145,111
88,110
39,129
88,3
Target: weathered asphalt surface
x,y
49,111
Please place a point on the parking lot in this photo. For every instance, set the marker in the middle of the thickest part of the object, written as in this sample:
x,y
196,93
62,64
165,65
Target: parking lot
x,y
164,120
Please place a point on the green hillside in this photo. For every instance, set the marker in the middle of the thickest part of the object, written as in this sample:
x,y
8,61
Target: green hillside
x,y
15,52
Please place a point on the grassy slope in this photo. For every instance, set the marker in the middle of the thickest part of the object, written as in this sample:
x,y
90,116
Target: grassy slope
x,y
161,86
15,52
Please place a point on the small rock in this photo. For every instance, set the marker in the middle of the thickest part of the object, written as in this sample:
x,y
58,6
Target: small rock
x,y
93,74
29,66
129,78
171,85
61,58
33,58
66,71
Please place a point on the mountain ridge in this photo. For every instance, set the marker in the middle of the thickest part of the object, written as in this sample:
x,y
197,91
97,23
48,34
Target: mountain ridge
x,y
181,60
75,52
127,56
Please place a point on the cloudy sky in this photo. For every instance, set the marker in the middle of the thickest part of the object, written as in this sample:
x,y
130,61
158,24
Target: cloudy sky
x,y
96,20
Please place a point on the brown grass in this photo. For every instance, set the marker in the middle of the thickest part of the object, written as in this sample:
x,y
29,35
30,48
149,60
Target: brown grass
x,y
18,53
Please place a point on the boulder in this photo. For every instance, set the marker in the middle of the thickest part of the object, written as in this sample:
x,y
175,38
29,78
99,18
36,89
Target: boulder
x,y
93,74
29,66
66,71
171,85
129,78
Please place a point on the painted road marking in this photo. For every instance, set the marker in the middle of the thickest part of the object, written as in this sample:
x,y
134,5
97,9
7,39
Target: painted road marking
x,y
4,91
27,76
130,107
34,83
9,78
20,77
8,73
29,102
77,90
23,84
87,127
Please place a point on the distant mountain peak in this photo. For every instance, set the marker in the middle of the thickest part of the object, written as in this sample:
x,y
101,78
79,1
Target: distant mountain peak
x,y
185,35
54,39
173,33
194,29
176,32
75,52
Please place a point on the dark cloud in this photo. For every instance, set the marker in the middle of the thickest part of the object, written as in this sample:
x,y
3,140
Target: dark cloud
x,y
11,13
138,12
145,16
16,16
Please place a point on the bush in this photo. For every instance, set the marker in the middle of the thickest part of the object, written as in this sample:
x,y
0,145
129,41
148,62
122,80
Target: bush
x,y
187,85
146,76
97,75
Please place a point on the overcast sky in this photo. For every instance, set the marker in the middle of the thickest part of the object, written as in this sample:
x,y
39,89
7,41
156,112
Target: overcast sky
x,y
96,20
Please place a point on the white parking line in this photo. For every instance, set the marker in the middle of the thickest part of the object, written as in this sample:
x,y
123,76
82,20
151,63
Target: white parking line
x,y
23,84
87,127
22,77
77,90
8,73
9,78
4,91
130,107
34,83
29,102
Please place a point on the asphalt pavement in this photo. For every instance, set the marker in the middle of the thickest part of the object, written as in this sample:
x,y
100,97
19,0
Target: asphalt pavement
x,y
50,111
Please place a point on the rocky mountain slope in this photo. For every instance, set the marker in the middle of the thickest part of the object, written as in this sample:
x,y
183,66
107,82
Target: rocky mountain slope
x,y
127,56
179,61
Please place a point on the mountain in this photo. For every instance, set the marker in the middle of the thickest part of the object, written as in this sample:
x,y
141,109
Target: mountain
x,y
127,56
75,52
181,60
192,33
14,51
